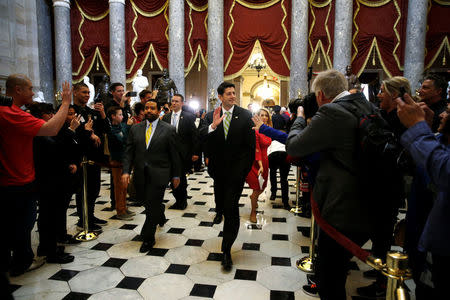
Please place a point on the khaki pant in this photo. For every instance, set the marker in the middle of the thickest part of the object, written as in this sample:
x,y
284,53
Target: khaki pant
x,y
120,191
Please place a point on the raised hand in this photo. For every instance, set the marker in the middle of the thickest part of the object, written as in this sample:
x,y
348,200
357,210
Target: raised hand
x,y
101,109
66,93
130,121
75,122
408,111
89,125
258,122
217,119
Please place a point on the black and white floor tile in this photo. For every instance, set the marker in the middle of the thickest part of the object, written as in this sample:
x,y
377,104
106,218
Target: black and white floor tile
x,y
185,262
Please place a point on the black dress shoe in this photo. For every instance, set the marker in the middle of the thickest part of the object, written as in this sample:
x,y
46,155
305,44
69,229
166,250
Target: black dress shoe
x,y
68,239
286,206
181,206
227,263
146,246
217,219
60,258
163,221
98,221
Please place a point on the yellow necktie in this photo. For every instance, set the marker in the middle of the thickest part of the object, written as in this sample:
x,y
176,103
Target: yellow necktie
x,y
148,134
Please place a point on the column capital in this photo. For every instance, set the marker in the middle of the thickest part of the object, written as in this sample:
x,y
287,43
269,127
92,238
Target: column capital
x,y
63,3
117,1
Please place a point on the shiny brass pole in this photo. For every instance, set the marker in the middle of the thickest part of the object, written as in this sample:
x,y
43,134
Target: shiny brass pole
x,y
85,235
396,271
306,264
297,210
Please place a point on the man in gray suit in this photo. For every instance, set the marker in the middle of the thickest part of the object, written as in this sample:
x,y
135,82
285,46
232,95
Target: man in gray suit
x,y
151,150
332,132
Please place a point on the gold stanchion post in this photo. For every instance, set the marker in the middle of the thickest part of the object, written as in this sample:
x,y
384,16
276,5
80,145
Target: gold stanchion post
x,y
297,210
396,270
85,235
306,264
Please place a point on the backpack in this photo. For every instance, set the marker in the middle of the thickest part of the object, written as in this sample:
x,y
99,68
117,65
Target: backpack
x,y
377,152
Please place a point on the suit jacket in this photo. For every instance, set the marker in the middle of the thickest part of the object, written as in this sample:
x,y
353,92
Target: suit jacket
x,y
187,136
161,159
332,132
232,157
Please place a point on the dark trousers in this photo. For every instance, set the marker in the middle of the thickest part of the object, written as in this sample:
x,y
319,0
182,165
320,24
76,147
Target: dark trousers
x,y
227,192
93,190
154,210
198,163
440,276
383,235
49,206
277,161
180,193
332,265
20,215
61,217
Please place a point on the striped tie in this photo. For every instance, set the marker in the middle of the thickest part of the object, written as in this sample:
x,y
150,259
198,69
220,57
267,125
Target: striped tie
x,y
148,134
226,123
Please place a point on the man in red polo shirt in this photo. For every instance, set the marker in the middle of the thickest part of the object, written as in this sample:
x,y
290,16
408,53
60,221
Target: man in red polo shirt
x,y
17,130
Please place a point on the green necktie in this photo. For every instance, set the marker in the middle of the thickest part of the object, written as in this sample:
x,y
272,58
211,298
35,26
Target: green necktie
x,y
226,123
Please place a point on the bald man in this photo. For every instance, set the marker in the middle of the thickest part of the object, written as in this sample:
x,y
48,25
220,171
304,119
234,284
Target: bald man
x,y
17,130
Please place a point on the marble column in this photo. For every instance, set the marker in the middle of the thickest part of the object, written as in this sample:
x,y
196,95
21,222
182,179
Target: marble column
x,y
215,45
299,48
176,43
284,93
415,41
63,50
342,52
117,41
45,45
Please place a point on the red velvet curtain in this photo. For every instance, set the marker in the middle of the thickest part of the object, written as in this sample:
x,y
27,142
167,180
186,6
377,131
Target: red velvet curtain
x,y
271,26
438,30
146,26
321,20
89,34
386,24
195,32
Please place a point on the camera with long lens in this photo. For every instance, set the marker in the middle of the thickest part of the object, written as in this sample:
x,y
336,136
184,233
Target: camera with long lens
x,y
308,103
5,100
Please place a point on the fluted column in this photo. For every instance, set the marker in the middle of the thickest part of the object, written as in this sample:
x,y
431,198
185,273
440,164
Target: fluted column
x,y
415,41
117,41
176,43
299,48
215,45
44,38
342,52
63,50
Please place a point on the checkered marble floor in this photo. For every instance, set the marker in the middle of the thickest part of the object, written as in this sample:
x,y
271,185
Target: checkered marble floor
x,y
185,262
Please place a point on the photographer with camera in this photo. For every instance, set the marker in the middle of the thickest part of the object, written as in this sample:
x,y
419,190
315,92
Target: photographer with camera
x,y
332,132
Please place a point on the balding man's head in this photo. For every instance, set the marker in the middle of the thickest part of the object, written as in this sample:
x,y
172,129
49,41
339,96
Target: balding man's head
x,y
19,87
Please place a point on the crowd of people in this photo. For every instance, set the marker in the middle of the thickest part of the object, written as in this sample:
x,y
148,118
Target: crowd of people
x,y
153,144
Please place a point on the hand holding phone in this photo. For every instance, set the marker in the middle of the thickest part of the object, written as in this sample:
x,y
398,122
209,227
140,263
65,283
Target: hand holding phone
x,y
131,94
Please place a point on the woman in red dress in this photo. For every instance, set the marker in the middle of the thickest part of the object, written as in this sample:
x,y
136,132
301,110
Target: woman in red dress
x,y
260,165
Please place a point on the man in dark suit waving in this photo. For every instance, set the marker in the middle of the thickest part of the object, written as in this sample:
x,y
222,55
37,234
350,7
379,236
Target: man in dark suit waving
x,y
151,150
230,141
187,133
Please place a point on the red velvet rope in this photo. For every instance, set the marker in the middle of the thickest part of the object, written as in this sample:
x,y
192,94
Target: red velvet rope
x,y
336,235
